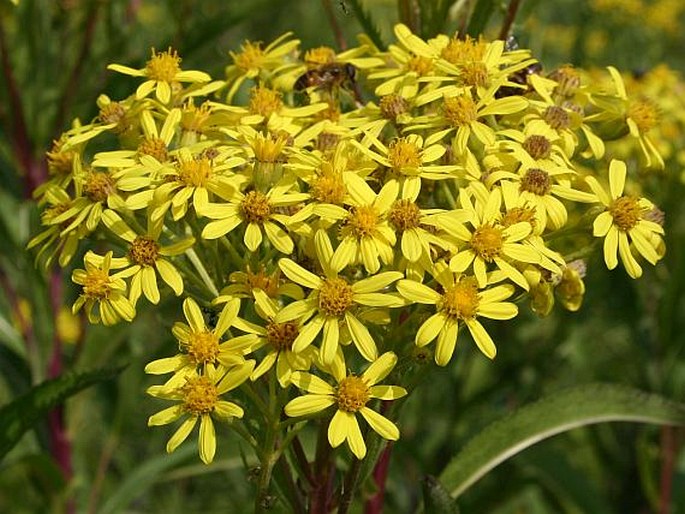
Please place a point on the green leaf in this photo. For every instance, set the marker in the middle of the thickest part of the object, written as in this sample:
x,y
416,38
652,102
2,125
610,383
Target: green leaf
x,y
144,476
436,499
21,414
575,407
365,19
480,17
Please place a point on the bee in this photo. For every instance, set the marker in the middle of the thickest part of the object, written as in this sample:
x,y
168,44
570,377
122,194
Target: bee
x,y
520,77
328,76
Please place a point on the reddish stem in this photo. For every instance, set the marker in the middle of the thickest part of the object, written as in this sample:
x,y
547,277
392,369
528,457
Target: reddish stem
x,y
337,31
32,170
374,505
59,442
669,450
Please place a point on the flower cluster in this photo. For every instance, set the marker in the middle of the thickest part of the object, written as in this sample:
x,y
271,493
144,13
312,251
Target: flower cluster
x,y
310,230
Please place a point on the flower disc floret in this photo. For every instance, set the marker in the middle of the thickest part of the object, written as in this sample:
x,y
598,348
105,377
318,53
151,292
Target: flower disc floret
x,y
487,242
255,207
474,74
282,335
460,301
335,296
352,394
420,65
97,284
144,251
98,186
113,112
460,110
404,215
264,101
195,172
163,66
459,51
154,147
200,396
392,106
202,347
403,153
363,220
626,211
557,117
644,114
536,181
537,146
329,189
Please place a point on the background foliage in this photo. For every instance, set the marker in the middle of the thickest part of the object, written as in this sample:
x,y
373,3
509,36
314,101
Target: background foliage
x,y
53,57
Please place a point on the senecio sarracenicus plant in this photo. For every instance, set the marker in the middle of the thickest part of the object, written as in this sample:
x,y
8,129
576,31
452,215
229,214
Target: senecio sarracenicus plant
x,y
333,221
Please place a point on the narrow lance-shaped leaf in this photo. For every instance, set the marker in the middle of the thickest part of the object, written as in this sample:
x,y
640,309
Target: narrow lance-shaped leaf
x,y
579,406
21,414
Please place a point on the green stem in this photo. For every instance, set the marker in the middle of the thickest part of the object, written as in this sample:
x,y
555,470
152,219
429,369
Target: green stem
x,y
195,260
349,487
270,454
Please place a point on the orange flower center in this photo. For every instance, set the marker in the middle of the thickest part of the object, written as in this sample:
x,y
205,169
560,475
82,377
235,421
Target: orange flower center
x,y
538,147
404,215
196,172
264,101
626,212
97,284
335,296
144,251
255,207
536,181
402,154
487,242
154,147
352,394
163,66
461,300
282,335
460,110
199,396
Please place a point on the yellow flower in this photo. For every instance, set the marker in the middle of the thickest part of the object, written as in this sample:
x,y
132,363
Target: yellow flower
x,y
490,243
163,72
540,186
279,337
460,113
245,283
201,346
365,235
459,300
65,243
193,177
256,210
409,159
624,222
145,258
199,398
350,396
254,61
100,289
334,300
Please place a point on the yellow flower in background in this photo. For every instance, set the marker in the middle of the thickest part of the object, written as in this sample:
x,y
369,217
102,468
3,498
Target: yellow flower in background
x,y
334,301
457,299
245,283
163,72
102,296
201,345
200,399
624,222
254,62
350,396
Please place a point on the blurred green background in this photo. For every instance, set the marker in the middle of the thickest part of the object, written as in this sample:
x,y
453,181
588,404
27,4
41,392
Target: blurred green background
x,y
53,56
